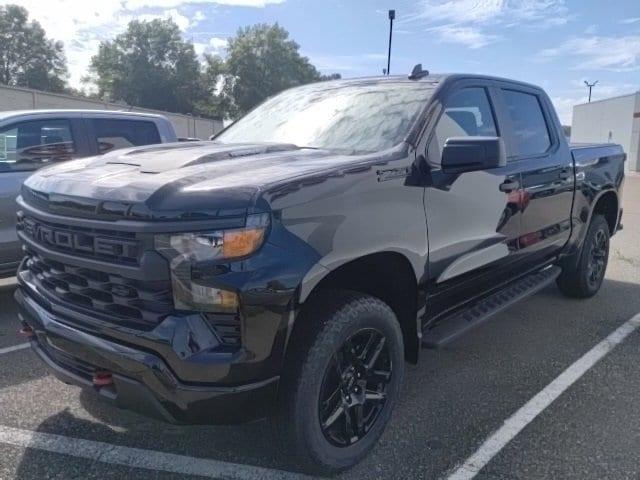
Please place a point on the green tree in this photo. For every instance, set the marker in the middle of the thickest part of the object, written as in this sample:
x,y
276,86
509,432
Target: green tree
x,y
149,65
261,61
27,57
216,101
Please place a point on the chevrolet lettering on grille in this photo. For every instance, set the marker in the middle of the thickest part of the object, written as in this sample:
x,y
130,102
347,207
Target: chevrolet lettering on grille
x,y
80,242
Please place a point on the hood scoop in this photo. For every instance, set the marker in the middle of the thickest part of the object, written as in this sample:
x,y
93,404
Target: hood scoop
x,y
160,159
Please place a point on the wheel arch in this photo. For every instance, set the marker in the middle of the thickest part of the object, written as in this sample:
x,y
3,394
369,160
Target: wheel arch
x,y
607,204
387,275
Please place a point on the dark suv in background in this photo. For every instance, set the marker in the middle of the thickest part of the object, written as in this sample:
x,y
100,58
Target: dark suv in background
x,y
31,139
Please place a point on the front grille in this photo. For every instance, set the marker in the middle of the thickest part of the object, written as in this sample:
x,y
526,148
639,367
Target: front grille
x,y
107,245
131,303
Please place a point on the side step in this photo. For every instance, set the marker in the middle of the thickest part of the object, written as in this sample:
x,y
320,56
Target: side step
x,y
450,328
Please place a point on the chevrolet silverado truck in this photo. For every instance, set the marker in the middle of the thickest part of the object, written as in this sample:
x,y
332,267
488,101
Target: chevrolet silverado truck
x,y
31,139
288,268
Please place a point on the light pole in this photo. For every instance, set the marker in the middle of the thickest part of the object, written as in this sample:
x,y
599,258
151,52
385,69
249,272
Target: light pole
x,y
392,16
590,86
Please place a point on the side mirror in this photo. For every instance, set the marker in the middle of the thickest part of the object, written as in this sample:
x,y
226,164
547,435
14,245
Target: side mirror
x,y
470,154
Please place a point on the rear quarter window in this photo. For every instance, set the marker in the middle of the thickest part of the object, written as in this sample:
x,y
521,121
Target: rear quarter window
x,y
112,134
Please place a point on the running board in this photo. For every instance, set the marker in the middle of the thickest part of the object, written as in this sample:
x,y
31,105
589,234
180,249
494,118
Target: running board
x,y
450,328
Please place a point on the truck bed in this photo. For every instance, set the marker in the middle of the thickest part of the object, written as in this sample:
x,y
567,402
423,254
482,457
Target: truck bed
x,y
589,153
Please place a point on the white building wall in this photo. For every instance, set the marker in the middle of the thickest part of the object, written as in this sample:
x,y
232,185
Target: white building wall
x,y
25,99
633,155
610,120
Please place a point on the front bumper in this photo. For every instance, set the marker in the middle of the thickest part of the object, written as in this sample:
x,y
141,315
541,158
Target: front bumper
x,y
142,381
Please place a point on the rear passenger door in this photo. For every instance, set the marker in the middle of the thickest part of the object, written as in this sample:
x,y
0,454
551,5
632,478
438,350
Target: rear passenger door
x,y
109,134
545,163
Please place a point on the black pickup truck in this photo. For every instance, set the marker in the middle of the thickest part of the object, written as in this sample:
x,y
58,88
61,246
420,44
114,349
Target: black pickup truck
x,y
289,267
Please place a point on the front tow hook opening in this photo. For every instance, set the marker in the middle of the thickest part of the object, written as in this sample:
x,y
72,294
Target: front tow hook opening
x,y
102,378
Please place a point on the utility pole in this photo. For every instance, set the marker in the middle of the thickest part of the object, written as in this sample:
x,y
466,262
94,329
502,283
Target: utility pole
x,y
392,16
590,86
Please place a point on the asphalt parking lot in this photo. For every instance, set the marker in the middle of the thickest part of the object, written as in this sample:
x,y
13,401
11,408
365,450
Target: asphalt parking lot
x,y
453,401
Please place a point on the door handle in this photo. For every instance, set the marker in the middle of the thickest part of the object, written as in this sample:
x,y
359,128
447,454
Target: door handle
x,y
509,186
565,174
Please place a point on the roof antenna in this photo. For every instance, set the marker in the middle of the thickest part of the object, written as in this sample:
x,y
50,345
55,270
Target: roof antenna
x,y
417,73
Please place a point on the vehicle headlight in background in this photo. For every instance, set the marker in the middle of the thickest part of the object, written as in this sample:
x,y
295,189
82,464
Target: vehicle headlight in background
x,y
186,250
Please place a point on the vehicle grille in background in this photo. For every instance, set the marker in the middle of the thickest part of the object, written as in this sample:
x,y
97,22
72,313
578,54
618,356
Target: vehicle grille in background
x,y
140,305
107,245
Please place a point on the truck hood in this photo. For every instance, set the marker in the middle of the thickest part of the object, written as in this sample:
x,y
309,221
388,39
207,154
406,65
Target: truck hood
x,y
170,181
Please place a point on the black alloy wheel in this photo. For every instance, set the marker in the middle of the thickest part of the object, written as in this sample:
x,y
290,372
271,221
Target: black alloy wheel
x,y
353,390
597,259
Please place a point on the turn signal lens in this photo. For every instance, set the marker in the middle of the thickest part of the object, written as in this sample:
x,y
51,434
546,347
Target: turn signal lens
x,y
240,243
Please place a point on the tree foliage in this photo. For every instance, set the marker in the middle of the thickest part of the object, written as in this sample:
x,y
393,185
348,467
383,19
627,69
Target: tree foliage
x,y
149,65
262,60
27,57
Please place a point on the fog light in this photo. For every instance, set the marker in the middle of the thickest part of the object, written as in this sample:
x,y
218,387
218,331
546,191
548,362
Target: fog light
x,y
193,296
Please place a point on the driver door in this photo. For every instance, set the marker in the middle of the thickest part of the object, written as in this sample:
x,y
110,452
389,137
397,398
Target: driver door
x,y
473,217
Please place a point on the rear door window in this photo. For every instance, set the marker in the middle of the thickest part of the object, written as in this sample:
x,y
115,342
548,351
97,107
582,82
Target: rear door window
x,y
529,125
30,145
112,134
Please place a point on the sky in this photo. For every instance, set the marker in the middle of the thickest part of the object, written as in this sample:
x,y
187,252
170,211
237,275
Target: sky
x,y
557,44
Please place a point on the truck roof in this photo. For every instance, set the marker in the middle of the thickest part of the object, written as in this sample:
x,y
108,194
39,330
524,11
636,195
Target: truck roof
x,y
76,112
433,78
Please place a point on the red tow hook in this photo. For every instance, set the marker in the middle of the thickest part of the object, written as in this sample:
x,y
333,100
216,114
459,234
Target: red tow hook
x,y
102,378
27,331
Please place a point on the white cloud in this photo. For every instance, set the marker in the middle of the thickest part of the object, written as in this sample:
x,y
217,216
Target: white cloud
x,y
472,22
136,4
591,30
198,17
564,107
218,43
506,12
216,46
350,64
629,21
617,54
469,36
82,24
182,21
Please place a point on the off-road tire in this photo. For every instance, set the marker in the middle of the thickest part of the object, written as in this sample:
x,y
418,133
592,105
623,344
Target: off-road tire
x,y
328,321
579,280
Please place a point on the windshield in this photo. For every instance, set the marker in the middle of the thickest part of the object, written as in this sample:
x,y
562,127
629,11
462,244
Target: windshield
x,y
362,117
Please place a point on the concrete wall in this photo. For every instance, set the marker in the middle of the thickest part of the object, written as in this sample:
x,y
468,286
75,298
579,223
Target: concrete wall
x,y
611,120
25,99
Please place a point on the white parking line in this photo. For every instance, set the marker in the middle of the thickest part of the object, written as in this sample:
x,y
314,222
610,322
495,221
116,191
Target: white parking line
x,y
14,348
139,458
519,420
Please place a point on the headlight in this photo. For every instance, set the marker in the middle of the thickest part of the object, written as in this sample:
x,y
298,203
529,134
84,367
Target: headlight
x,y
186,250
